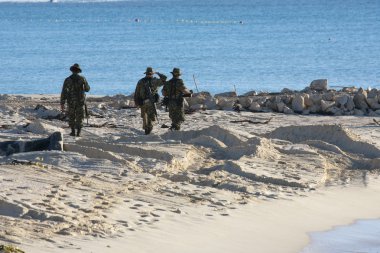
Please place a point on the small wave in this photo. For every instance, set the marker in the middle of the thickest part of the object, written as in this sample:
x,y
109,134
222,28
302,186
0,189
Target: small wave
x,y
62,1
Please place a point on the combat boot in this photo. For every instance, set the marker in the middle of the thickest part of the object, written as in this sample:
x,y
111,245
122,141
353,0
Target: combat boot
x,y
78,131
148,130
72,131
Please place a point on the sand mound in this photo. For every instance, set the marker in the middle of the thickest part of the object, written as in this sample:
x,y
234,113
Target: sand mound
x,y
332,134
223,135
38,127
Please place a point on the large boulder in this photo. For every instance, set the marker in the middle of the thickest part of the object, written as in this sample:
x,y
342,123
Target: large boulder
x,y
226,94
281,106
211,104
315,108
308,100
350,104
298,103
316,98
329,96
199,98
226,103
326,105
245,101
373,103
342,100
287,91
250,93
360,100
287,110
255,107
319,85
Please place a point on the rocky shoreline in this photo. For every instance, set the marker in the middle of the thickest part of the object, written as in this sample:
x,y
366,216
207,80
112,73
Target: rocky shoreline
x,y
317,98
314,99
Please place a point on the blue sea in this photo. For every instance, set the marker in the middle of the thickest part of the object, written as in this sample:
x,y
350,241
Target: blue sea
x,y
262,45
363,236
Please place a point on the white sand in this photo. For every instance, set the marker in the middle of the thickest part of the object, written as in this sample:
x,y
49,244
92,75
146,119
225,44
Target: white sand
x,y
214,186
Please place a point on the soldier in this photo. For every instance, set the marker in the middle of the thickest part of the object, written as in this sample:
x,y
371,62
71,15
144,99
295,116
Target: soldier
x,y
146,96
73,92
174,91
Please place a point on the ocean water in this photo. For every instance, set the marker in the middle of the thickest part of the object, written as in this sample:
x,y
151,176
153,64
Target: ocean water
x,y
252,44
361,237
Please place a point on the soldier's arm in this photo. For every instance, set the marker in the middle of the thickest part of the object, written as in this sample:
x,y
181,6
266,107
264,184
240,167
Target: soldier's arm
x,y
64,92
165,91
86,87
162,77
136,96
185,91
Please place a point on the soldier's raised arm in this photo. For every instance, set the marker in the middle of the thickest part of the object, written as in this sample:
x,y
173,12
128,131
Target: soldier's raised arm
x,y
86,87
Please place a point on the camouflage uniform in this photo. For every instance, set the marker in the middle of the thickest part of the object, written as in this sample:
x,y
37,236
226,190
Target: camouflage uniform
x,y
174,90
73,92
147,87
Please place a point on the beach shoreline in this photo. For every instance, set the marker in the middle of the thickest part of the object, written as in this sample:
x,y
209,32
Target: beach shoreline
x,y
214,186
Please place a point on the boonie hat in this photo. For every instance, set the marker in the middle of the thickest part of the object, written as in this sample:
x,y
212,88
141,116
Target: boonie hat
x,y
75,68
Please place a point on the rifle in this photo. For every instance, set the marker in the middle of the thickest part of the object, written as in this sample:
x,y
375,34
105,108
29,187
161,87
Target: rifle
x,y
152,100
86,112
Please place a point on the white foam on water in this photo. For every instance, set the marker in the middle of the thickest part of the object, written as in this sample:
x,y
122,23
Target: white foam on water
x,y
359,237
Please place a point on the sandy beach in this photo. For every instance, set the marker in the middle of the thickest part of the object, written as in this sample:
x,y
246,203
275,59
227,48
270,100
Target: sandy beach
x,y
217,185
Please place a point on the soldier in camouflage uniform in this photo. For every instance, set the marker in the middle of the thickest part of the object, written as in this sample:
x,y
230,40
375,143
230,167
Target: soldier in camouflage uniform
x,y
73,92
146,96
174,92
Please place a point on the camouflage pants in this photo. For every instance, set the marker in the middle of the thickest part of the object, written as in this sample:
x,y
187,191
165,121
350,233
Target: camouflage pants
x,y
148,116
76,115
176,114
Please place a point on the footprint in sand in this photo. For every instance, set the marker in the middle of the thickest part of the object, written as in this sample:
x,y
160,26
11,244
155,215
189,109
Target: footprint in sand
x,y
154,214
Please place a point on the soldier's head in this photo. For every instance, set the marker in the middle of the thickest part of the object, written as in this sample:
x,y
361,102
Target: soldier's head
x,y
176,72
75,68
149,72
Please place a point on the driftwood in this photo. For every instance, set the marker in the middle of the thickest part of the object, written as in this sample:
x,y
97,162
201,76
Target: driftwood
x,y
251,122
377,122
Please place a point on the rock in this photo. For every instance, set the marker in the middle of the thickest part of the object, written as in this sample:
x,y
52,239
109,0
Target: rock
x,y
360,100
199,98
315,109
245,101
316,98
211,104
352,89
372,93
329,96
226,94
342,100
358,112
377,112
280,107
372,113
319,85
334,111
287,110
250,93
373,103
196,107
350,104
308,100
287,91
46,112
298,103
326,105
306,112
225,103
255,107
